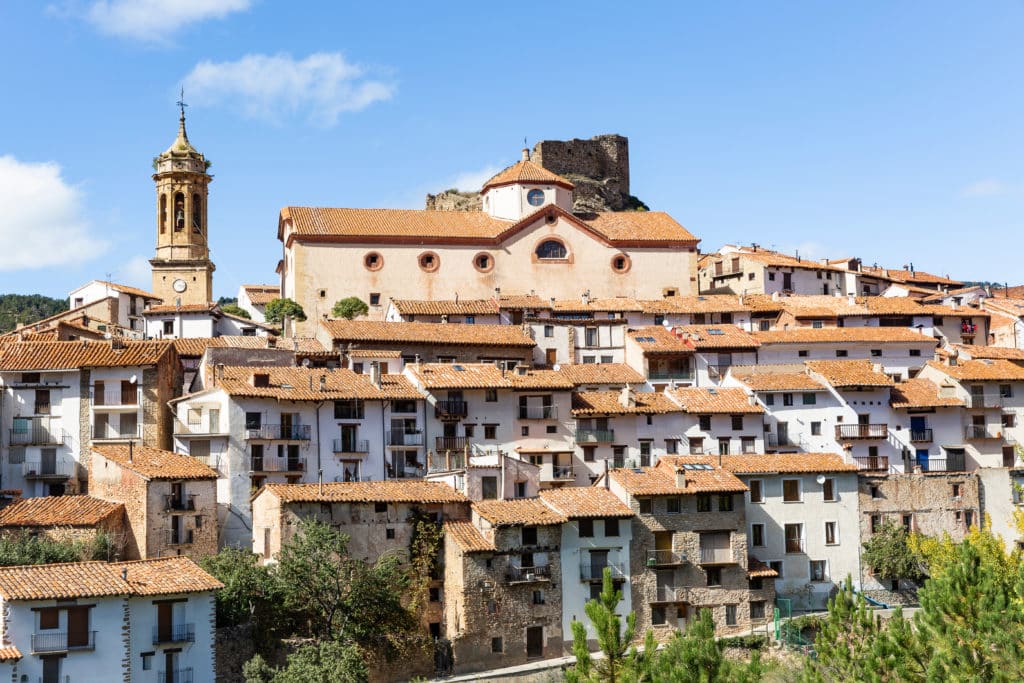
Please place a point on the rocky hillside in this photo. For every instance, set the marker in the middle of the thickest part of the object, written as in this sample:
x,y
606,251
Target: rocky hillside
x,y
598,167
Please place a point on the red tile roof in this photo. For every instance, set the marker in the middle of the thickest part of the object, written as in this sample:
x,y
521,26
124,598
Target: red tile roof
x,y
303,384
261,295
610,403
832,335
776,377
48,511
786,463
392,491
576,502
155,463
525,171
982,370
714,400
702,475
446,306
920,393
465,535
69,355
725,336
600,373
655,339
344,331
521,511
849,373
485,376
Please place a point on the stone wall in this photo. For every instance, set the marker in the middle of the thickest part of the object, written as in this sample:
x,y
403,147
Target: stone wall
x,y
454,200
234,647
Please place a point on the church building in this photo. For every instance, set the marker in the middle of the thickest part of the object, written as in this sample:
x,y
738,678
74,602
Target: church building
x,y
525,237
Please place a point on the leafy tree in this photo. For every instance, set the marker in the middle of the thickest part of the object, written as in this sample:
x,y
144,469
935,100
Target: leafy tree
x,y
324,662
251,593
236,310
23,548
618,661
27,308
349,307
890,556
937,554
279,309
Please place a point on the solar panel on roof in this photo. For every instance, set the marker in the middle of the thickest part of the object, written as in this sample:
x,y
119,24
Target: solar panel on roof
x,y
715,330
458,368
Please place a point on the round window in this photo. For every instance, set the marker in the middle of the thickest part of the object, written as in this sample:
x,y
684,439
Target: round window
x,y
373,261
535,197
483,262
429,261
621,263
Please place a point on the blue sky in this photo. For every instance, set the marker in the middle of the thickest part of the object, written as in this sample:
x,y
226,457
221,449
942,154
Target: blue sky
x,y
890,131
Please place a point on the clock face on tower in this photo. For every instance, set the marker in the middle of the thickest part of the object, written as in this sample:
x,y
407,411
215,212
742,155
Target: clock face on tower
x,y
180,285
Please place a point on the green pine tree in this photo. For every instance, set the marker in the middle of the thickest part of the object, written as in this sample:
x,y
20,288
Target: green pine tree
x,y
617,665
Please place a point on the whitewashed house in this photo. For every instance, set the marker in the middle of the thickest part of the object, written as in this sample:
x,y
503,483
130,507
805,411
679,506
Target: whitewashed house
x,y
131,302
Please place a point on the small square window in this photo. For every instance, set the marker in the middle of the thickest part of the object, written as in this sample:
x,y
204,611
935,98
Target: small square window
x,y
756,491
672,506
496,645
551,429
875,492
842,353
791,490
802,353
468,429
657,616
389,533
777,566
876,523
492,606
809,399
549,331
490,431
529,535
769,399
730,615
380,507
523,431
787,399
756,609
757,535
714,576
818,573
956,490
704,422
588,453
703,502
147,661
611,526
586,527
645,506
490,395
830,533
737,423
828,489
725,503
816,428
375,298
435,595
538,597
915,352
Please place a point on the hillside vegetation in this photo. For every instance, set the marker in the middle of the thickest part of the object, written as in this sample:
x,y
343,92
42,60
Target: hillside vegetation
x,y
27,308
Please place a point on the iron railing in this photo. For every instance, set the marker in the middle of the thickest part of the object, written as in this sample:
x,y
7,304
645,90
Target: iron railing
x,y
595,572
58,642
981,401
879,463
180,503
278,432
405,438
920,435
794,545
451,443
36,431
175,676
979,432
351,446
109,432
541,572
38,469
270,463
661,558
538,412
561,472
862,431
116,397
182,537
177,633
716,556
683,374
452,409
595,435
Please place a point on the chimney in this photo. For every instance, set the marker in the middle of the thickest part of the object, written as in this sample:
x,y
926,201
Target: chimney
x,y
444,318
680,478
851,299
497,291
627,397
552,300
586,298
526,154
375,374
131,451
124,573
323,382
775,296
456,297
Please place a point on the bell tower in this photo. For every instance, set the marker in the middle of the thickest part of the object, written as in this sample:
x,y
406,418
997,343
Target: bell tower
x,y
182,270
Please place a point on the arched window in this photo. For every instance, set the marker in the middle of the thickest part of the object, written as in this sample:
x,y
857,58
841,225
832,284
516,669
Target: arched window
x,y
163,213
179,212
197,213
551,249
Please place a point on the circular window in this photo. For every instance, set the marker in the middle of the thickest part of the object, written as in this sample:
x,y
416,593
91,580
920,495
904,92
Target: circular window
x,y
551,249
535,197
621,263
373,261
483,262
429,261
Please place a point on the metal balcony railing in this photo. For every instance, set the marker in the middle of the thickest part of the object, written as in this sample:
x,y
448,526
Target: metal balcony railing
x,y
541,572
451,443
538,412
777,441
407,472
681,374
58,641
405,438
269,463
39,470
448,410
446,461
718,371
278,432
920,435
794,545
862,431
175,676
951,463
203,427
663,558
180,503
37,432
878,463
108,432
177,633
595,435
981,401
979,432
558,473
716,556
115,397
595,572
182,537
351,446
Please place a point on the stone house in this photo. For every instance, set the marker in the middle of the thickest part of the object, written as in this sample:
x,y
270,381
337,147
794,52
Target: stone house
x,y
803,521
689,546
98,621
930,503
60,398
170,500
68,518
275,424
503,584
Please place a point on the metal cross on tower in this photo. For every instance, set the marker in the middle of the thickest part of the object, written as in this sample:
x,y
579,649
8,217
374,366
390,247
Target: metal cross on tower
x,y
181,102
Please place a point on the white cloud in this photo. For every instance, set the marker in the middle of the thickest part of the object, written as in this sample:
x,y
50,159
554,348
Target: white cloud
x,y
271,87
135,272
989,187
42,222
156,20
472,181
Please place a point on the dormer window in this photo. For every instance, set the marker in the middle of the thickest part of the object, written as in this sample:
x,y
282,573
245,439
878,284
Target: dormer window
x,y
535,197
261,380
551,250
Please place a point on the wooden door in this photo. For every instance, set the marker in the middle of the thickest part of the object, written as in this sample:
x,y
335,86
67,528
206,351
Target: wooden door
x,y
598,561
551,356
535,641
51,670
78,626
164,622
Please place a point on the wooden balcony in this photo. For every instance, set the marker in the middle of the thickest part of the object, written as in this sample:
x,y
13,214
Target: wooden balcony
x,y
665,558
920,435
717,556
872,463
451,410
541,572
862,431
278,433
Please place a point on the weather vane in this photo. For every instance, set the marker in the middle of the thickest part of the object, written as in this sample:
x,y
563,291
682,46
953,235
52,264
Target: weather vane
x,y
181,102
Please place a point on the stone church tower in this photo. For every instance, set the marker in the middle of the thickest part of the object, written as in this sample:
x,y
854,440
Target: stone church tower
x,y
182,270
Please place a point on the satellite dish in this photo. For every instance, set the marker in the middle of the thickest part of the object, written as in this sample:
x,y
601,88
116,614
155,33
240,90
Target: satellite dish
x,y
133,379
820,479
305,362
666,324
556,367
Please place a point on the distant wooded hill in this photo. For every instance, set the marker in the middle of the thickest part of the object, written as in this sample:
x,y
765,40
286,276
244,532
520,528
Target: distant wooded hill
x,y
27,308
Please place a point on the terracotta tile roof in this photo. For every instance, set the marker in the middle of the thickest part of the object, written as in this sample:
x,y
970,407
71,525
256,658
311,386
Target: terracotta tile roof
x,y
982,370
528,511
786,463
638,227
770,258
704,303
303,384
608,403
485,376
58,511
162,576
577,502
730,400
934,297
196,346
849,373
707,337
391,491
184,308
375,353
465,535
655,339
446,306
990,352
905,275
900,305
702,475
135,291
756,569
68,355
261,295
1014,307
525,171
618,304
853,335
763,303
155,463
600,373
522,302
9,654
345,331
776,377
920,393
823,306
